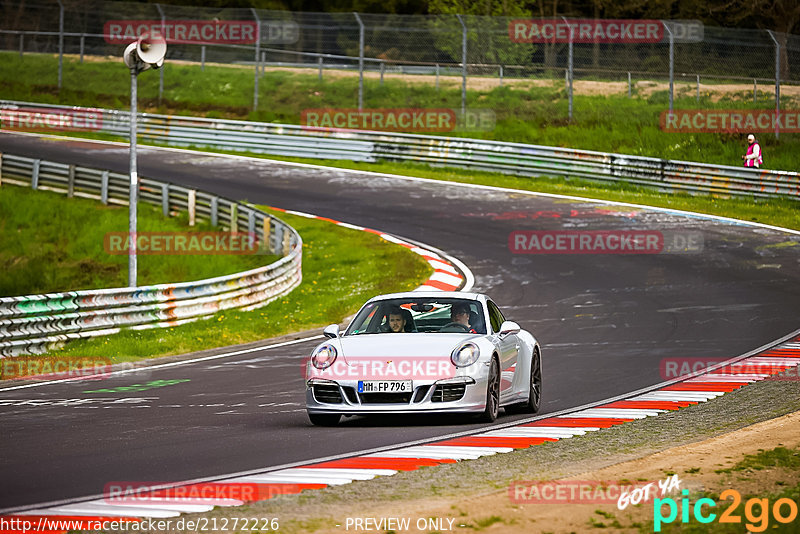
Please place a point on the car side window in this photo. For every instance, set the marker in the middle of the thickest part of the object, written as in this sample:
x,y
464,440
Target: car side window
x,y
495,316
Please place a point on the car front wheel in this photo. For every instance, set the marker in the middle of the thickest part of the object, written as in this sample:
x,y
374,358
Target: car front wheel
x,y
492,394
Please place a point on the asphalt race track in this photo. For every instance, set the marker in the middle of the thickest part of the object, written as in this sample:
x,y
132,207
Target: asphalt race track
x,y
606,322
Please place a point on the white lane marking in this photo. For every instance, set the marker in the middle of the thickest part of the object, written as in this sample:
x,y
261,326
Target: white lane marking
x,y
104,510
359,471
171,364
291,479
618,412
352,474
695,396
519,432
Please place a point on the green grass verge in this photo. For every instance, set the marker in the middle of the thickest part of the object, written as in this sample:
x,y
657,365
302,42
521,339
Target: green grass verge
x,y
527,114
49,243
342,268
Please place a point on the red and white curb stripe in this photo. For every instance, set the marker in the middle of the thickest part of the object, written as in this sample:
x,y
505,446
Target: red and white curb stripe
x,y
446,277
163,503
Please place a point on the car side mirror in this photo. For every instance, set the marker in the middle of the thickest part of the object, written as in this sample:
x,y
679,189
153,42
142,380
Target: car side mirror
x,y
331,331
509,327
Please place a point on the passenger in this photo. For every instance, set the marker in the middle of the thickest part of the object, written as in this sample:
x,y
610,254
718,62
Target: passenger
x,y
397,322
459,313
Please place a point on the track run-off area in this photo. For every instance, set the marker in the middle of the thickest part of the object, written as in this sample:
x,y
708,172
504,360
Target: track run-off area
x,y
609,323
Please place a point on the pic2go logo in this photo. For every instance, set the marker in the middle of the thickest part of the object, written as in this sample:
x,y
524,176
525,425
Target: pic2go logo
x,y
756,511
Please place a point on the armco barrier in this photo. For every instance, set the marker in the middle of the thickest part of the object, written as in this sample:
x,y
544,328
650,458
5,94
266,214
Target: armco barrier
x,y
35,323
369,146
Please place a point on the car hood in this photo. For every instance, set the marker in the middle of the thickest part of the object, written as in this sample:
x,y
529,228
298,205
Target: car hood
x,y
410,345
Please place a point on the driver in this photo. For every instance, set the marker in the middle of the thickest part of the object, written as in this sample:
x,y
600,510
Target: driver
x,y
397,322
459,313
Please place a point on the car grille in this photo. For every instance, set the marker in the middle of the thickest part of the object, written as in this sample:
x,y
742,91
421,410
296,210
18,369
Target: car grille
x,y
449,392
328,393
351,395
385,398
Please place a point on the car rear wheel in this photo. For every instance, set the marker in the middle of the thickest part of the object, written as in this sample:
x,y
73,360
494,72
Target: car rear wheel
x,y
324,419
492,394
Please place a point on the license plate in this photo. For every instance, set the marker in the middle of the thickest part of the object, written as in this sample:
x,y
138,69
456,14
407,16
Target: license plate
x,y
384,386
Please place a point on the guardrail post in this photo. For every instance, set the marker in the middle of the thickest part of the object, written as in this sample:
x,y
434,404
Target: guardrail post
x,y
203,58
104,187
501,76
286,240
463,66
383,66
21,44
360,62
191,203
234,218
214,211
251,228
437,76
266,223
1,169
165,200
754,90
320,68
35,175
83,42
71,182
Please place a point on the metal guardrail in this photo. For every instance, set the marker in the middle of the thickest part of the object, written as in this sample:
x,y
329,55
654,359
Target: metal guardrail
x,y
495,156
36,323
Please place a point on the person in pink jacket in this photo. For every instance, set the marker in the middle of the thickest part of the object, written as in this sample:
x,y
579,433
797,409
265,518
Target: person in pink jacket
x,y
753,157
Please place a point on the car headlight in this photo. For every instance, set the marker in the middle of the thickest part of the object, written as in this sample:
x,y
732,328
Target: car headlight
x,y
323,356
465,355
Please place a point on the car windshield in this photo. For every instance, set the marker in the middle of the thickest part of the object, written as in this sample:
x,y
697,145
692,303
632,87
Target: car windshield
x,y
415,315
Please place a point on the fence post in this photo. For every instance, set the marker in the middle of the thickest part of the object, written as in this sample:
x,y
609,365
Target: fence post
x,y
60,42
360,61
251,229
258,55
463,65
629,85
165,200
383,67
35,175
777,84
671,65
191,204
203,58
71,182
263,63
437,76
501,76
698,88
320,68
21,44
1,169
265,231
214,211
754,91
161,70
570,72
104,187
83,43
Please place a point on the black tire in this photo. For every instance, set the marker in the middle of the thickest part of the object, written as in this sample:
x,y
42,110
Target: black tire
x,y
534,401
489,414
324,419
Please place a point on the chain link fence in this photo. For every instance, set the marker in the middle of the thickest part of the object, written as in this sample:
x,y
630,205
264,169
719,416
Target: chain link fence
x,y
468,47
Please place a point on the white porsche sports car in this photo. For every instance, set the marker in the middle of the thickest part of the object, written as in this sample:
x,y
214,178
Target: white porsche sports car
x,y
424,352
